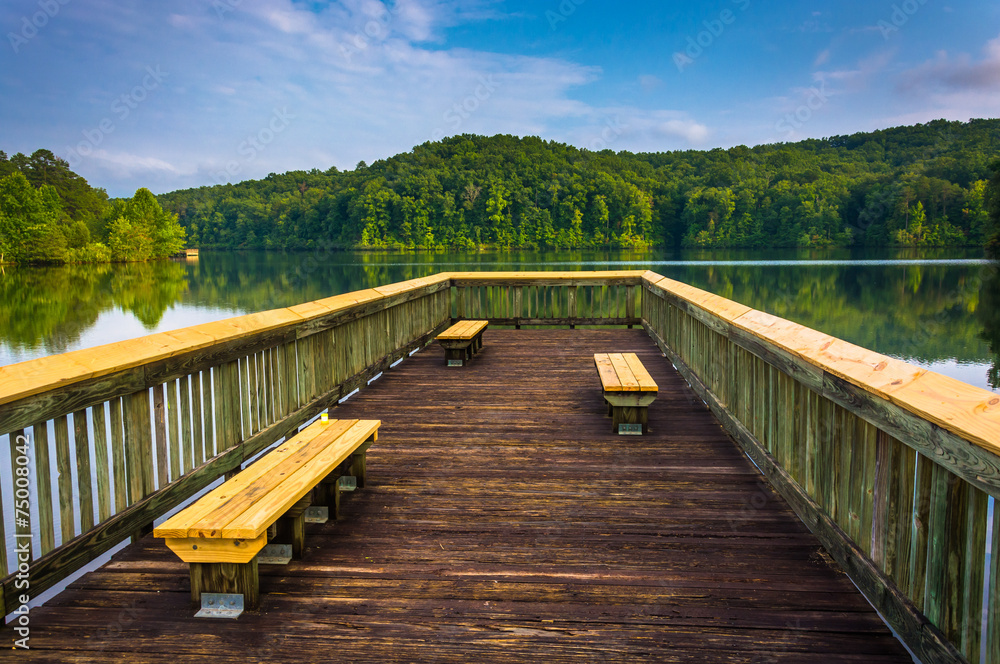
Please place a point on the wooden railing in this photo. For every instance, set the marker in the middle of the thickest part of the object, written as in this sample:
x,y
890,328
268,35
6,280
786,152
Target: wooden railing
x,y
548,298
890,465
134,429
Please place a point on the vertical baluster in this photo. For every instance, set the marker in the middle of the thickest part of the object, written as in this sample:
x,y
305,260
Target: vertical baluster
x,y
101,459
43,488
84,483
20,451
64,464
226,393
274,381
3,510
993,610
904,515
869,437
200,428
161,445
258,369
118,456
179,463
918,539
246,397
186,433
138,446
291,380
883,519
970,595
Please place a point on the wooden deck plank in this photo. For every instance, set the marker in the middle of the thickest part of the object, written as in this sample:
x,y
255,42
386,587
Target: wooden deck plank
x,y
502,522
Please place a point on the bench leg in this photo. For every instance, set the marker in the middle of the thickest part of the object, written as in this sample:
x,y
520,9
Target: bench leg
x,y
229,578
456,354
629,415
358,468
328,493
291,528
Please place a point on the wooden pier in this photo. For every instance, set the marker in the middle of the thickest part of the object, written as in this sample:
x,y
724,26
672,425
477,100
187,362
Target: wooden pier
x,y
502,520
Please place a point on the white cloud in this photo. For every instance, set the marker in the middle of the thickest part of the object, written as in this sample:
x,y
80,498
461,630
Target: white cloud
x,y
958,73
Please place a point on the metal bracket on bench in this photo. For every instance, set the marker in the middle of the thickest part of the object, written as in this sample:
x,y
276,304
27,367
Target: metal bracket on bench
x,y
275,554
317,514
220,605
347,482
629,429
456,363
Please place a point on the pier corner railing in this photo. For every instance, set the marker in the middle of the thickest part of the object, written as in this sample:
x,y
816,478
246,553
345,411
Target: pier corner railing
x,y
893,467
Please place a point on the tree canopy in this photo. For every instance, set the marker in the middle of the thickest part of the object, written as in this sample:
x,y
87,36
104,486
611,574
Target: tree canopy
x,y
49,214
925,185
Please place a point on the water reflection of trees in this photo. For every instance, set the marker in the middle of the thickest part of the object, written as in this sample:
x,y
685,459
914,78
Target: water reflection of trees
x,y
52,306
924,312
989,316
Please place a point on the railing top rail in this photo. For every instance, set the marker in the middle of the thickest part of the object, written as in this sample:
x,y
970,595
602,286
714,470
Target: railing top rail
x,y
554,277
969,412
32,377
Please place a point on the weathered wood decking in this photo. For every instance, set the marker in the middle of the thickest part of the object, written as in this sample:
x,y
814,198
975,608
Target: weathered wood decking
x,y
503,522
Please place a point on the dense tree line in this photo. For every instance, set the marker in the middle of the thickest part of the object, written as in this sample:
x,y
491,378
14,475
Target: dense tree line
x,y
925,185
49,214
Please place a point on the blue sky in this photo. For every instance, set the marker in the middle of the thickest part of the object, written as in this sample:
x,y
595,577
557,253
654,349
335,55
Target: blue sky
x,y
197,92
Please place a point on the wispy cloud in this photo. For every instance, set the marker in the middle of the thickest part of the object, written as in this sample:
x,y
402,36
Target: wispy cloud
x,y
956,73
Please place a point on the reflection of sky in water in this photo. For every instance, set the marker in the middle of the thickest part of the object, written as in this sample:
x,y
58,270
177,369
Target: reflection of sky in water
x,y
116,325
973,373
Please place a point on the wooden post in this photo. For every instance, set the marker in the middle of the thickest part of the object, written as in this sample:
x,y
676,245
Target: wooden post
x,y
229,578
291,527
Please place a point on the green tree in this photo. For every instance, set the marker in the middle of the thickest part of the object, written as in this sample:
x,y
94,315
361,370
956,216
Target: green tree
x,y
29,222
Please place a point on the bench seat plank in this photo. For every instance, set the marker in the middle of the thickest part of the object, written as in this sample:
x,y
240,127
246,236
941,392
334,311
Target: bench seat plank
x,y
646,382
609,377
463,330
184,523
255,520
625,378
214,524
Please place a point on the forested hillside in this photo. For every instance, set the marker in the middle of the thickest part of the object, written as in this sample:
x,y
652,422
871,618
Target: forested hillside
x,y
49,214
924,185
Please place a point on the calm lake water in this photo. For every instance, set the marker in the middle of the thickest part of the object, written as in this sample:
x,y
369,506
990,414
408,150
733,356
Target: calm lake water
x,y
932,309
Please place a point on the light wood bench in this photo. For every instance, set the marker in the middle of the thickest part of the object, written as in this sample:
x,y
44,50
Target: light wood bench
x,y
461,341
628,390
221,534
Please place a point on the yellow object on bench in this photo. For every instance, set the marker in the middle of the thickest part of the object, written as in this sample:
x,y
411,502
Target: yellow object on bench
x,y
461,341
628,390
221,534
